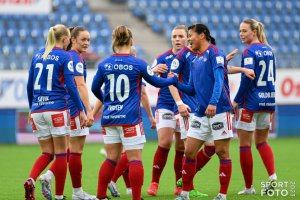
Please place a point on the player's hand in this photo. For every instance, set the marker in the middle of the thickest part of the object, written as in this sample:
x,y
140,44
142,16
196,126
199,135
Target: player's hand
x,y
153,123
211,111
160,69
235,109
29,118
90,118
249,73
83,119
184,110
231,55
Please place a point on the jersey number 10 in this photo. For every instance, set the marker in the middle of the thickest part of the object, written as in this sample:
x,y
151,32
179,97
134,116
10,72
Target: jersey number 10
x,y
118,90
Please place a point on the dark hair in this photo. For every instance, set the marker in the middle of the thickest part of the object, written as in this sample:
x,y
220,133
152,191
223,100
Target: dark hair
x,y
201,28
74,30
121,36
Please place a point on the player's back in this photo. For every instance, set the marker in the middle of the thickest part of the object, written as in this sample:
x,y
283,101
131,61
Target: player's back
x,y
261,92
48,79
122,91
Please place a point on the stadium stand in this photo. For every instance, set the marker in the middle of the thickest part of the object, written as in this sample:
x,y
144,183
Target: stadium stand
x,y
20,35
281,19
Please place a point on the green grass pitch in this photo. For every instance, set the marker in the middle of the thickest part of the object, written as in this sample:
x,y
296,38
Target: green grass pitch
x,y
16,162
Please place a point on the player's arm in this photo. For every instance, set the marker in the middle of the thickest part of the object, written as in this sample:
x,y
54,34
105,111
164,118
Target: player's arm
x,y
248,72
97,110
154,80
83,92
182,108
189,88
30,86
96,85
245,81
147,106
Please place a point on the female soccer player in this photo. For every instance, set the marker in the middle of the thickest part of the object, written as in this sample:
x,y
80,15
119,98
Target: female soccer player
x,y
209,82
51,68
123,163
165,117
122,74
256,102
79,43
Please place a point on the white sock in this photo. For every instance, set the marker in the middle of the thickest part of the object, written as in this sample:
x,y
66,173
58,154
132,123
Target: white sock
x,y
223,195
273,177
49,174
184,193
32,180
77,190
59,196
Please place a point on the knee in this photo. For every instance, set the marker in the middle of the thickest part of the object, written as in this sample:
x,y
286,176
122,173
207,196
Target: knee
x,y
222,153
190,154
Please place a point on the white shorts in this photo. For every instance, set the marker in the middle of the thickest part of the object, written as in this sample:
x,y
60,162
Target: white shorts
x,y
184,124
207,129
131,136
249,121
75,129
50,123
165,119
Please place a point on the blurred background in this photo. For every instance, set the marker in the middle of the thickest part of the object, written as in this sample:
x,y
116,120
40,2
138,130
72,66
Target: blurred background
x,y
24,26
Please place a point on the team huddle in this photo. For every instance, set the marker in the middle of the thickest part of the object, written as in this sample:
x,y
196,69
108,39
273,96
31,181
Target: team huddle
x,y
193,105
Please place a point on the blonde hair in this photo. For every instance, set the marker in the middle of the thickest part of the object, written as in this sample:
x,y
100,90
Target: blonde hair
x,y
121,36
181,27
55,34
260,30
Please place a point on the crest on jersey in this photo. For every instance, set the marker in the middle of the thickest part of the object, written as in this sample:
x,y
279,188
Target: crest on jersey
x,y
220,60
150,72
248,61
258,53
79,67
70,66
175,64
108,66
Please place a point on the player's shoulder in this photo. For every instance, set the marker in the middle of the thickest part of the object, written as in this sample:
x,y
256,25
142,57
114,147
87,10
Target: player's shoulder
x,y
213,49
165,54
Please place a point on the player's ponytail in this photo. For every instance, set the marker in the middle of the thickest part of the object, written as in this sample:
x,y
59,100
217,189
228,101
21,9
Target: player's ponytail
x,y
54,35
50,42
260,30
121,36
